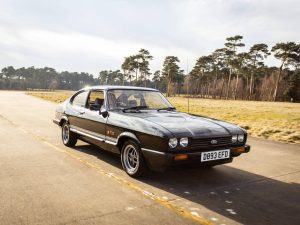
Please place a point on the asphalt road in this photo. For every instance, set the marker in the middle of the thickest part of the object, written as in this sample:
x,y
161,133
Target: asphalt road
x,y
43,182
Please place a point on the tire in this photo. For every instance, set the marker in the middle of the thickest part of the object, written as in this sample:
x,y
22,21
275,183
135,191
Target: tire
x,y
132,159
68,138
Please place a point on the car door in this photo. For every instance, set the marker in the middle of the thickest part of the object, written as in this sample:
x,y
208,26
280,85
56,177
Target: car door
x,y
95,124
77,109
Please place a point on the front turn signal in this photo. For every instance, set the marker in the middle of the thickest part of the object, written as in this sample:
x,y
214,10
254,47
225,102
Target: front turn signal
x,y
180,157
240,150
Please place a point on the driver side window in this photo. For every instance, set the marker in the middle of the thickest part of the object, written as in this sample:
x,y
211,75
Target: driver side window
x,y
95,100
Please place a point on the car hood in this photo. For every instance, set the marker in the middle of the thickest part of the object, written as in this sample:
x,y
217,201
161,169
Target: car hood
x,y
187,125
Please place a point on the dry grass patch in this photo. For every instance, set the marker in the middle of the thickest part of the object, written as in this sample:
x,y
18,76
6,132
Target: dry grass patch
x,y
53,96
270,120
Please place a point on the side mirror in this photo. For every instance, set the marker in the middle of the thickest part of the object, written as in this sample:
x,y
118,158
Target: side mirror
x,y
103,111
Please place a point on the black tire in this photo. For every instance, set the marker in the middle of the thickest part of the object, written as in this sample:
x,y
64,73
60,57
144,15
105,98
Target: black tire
x,y
68,138
133,161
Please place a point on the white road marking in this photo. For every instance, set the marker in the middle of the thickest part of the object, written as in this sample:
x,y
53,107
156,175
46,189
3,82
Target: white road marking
x,y
231,211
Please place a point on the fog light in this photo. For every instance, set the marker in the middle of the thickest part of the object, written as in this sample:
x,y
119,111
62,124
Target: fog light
x,y
184,142
240,137
234,138
173,142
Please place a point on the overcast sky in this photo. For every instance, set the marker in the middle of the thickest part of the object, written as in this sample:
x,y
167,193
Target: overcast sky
x,y
89,36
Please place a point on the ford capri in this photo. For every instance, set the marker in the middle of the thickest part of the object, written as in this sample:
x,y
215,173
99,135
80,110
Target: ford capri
x,y
143,127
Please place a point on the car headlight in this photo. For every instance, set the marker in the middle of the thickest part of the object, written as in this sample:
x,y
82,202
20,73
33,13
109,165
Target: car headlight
x,y
234,138
240,137
173,142
184,142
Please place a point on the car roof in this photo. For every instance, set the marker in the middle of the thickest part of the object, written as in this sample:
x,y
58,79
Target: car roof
x,y
113,87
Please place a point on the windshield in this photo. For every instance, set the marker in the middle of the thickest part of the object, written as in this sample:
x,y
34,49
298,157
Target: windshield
x,y
125,99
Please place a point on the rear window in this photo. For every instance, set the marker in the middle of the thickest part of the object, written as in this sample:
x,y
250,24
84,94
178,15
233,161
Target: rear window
x,y
80,99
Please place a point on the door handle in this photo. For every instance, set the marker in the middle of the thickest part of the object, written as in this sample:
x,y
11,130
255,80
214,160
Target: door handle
x,y
81,112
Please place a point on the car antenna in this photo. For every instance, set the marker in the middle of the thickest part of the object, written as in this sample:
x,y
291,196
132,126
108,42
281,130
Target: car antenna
x,y
188,83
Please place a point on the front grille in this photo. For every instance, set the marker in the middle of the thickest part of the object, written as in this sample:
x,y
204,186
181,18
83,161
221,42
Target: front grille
x,y
206,143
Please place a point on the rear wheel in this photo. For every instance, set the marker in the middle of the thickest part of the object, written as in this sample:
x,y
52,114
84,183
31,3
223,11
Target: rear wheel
x,y
132,159
68,138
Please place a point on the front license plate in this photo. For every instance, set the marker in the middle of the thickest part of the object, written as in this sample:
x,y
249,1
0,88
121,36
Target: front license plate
x,y
215,155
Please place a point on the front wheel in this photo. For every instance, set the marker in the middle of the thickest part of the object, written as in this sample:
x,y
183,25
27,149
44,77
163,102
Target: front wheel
x,y
68,138
132,159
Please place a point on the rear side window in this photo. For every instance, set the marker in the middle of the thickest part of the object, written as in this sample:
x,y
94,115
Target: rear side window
x,y
80,99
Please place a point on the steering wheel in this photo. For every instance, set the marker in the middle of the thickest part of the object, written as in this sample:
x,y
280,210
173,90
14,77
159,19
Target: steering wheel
x,y
141,97
121,104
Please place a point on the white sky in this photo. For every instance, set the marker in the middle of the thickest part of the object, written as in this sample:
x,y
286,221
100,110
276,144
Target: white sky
x,y
90,36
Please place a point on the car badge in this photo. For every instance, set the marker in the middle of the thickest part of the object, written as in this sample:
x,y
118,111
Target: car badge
x,y
214,142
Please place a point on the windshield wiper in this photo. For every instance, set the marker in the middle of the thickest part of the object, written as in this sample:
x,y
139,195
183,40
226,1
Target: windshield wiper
x,y
166,108
137,108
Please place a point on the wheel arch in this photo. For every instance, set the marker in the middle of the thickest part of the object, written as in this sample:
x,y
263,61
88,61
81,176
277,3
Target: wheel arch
x,y
63,119
126,136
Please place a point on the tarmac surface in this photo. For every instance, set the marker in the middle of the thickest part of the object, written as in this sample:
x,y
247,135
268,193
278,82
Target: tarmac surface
x,y
44,182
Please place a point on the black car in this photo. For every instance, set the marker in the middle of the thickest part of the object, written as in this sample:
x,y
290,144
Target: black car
x,y
143,127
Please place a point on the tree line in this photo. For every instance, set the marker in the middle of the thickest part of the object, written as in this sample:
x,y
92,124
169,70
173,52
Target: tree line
x,y
230,74
226,73
43,78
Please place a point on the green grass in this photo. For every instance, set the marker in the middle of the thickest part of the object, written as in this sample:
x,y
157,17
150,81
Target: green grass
x,y
270,120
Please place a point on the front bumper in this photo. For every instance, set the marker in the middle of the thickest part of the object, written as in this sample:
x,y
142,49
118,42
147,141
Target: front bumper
x,y
159,161
56,121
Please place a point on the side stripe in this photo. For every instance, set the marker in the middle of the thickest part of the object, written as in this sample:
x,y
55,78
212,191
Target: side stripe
x,y
85,134
153,151
99,137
